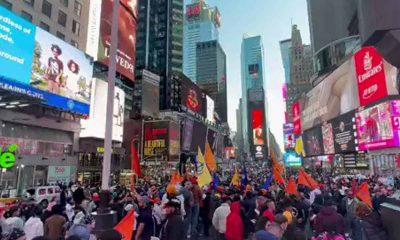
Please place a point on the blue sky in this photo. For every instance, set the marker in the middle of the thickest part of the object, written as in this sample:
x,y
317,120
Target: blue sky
x,y
272,20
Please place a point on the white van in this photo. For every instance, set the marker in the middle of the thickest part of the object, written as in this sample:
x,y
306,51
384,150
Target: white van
x,y
43,195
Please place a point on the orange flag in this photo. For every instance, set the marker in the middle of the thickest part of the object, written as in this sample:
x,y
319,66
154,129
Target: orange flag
x,y
210,159
278,177
125,227
306,180
364,195
291,188
275,164
176,178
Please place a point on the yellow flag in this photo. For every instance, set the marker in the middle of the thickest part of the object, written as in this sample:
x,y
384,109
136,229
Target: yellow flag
x,y
236,178
200,157
299,149
210,159
204,178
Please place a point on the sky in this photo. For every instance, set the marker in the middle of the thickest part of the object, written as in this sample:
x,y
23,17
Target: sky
x,y
272,20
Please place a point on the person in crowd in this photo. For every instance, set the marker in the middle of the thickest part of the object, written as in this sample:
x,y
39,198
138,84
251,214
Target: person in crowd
x,y
234,223
54,227
188,204
371,223
328,220
173,227
14,234
13,218
146,225
34,226
268,215
197,198
273,230
220,217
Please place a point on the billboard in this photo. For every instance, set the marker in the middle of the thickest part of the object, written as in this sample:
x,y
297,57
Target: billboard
x,y
210,109
312,140
99,34
95,125
39,65
327,138
296,113
174,141
192,98
374,83
344,133
292,159
150,95
257,117
288,134
193,10
156,139
378,127
61,174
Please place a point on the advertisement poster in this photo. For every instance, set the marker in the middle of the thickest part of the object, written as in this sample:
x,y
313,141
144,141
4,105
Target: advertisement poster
x,y
343,131
288,134
174,141
327,138
378,126
95,125
61,174
192,98
258,127
150,97
371,76
39,65
199,137
126,36
335,95
312,140
156,139
296,113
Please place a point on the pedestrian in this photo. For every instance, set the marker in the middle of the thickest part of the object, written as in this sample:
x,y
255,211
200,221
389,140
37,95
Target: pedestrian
x,y
329,220
235,223
186,191
197,198
54,227
13,218
34,226
371,223
220,217
273,230
146,225
173,227
14,234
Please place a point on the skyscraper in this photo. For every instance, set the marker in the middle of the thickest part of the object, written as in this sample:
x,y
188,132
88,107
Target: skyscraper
x,y
253,97
211,74
286,46
160,42
201,25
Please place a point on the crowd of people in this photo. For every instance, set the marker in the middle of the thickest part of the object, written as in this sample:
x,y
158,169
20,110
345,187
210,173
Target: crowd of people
x,y
185,209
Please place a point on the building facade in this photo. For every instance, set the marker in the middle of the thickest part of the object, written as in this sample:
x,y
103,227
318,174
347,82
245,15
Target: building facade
x,y
211,74
160,42
201,25
285,47
66,19
253,98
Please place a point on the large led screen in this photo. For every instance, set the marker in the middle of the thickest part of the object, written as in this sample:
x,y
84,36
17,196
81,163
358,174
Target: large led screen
x,y
39,65
258,127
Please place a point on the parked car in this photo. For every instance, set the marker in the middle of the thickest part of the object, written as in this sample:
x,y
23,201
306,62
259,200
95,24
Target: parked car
x,y
43,195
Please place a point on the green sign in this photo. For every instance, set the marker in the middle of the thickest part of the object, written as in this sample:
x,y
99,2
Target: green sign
x,y
7,159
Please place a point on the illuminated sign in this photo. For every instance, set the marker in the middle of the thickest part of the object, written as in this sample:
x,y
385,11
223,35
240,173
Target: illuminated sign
x,y
193,10
258,127
7,159
292,159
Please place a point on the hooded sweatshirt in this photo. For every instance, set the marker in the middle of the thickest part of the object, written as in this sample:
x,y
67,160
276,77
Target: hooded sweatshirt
x,y
234,223
328,220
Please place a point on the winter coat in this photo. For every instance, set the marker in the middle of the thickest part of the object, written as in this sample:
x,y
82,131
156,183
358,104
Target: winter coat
x,y
173,228
372,227
328,220
33,228
234,223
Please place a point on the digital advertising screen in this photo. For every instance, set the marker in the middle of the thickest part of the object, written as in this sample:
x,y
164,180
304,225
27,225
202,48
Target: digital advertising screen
x,y
192,98
257,117
327,138
312,140
174,141
296,113
37,64
150,97
187,133
156,139
343,133
292,159
378,127
288,134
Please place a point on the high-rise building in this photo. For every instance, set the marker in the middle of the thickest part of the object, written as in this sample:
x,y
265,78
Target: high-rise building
x,y
159,46
253,98
211,74
65,19
201,25
239,129
301,70
285,46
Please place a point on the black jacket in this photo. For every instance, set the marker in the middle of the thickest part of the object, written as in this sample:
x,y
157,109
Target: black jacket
x,y
173,228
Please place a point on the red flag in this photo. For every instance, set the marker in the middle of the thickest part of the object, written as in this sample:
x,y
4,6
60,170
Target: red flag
x,y
135,160
364,195
278,177
302,180
291,188
125,227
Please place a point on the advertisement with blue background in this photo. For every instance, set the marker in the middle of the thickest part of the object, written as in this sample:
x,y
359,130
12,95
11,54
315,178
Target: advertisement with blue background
x,y
39,65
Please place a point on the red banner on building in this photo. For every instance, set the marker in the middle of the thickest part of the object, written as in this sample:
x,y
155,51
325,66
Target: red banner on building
x,y
296,111
371,77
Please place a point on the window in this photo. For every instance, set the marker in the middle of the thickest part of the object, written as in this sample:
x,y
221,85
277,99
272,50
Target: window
x,y
60,35
77,8
46,8
6,4
44,26
75,27
26,16
50,191
42,191
62,18
74,43
64,3
30,2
